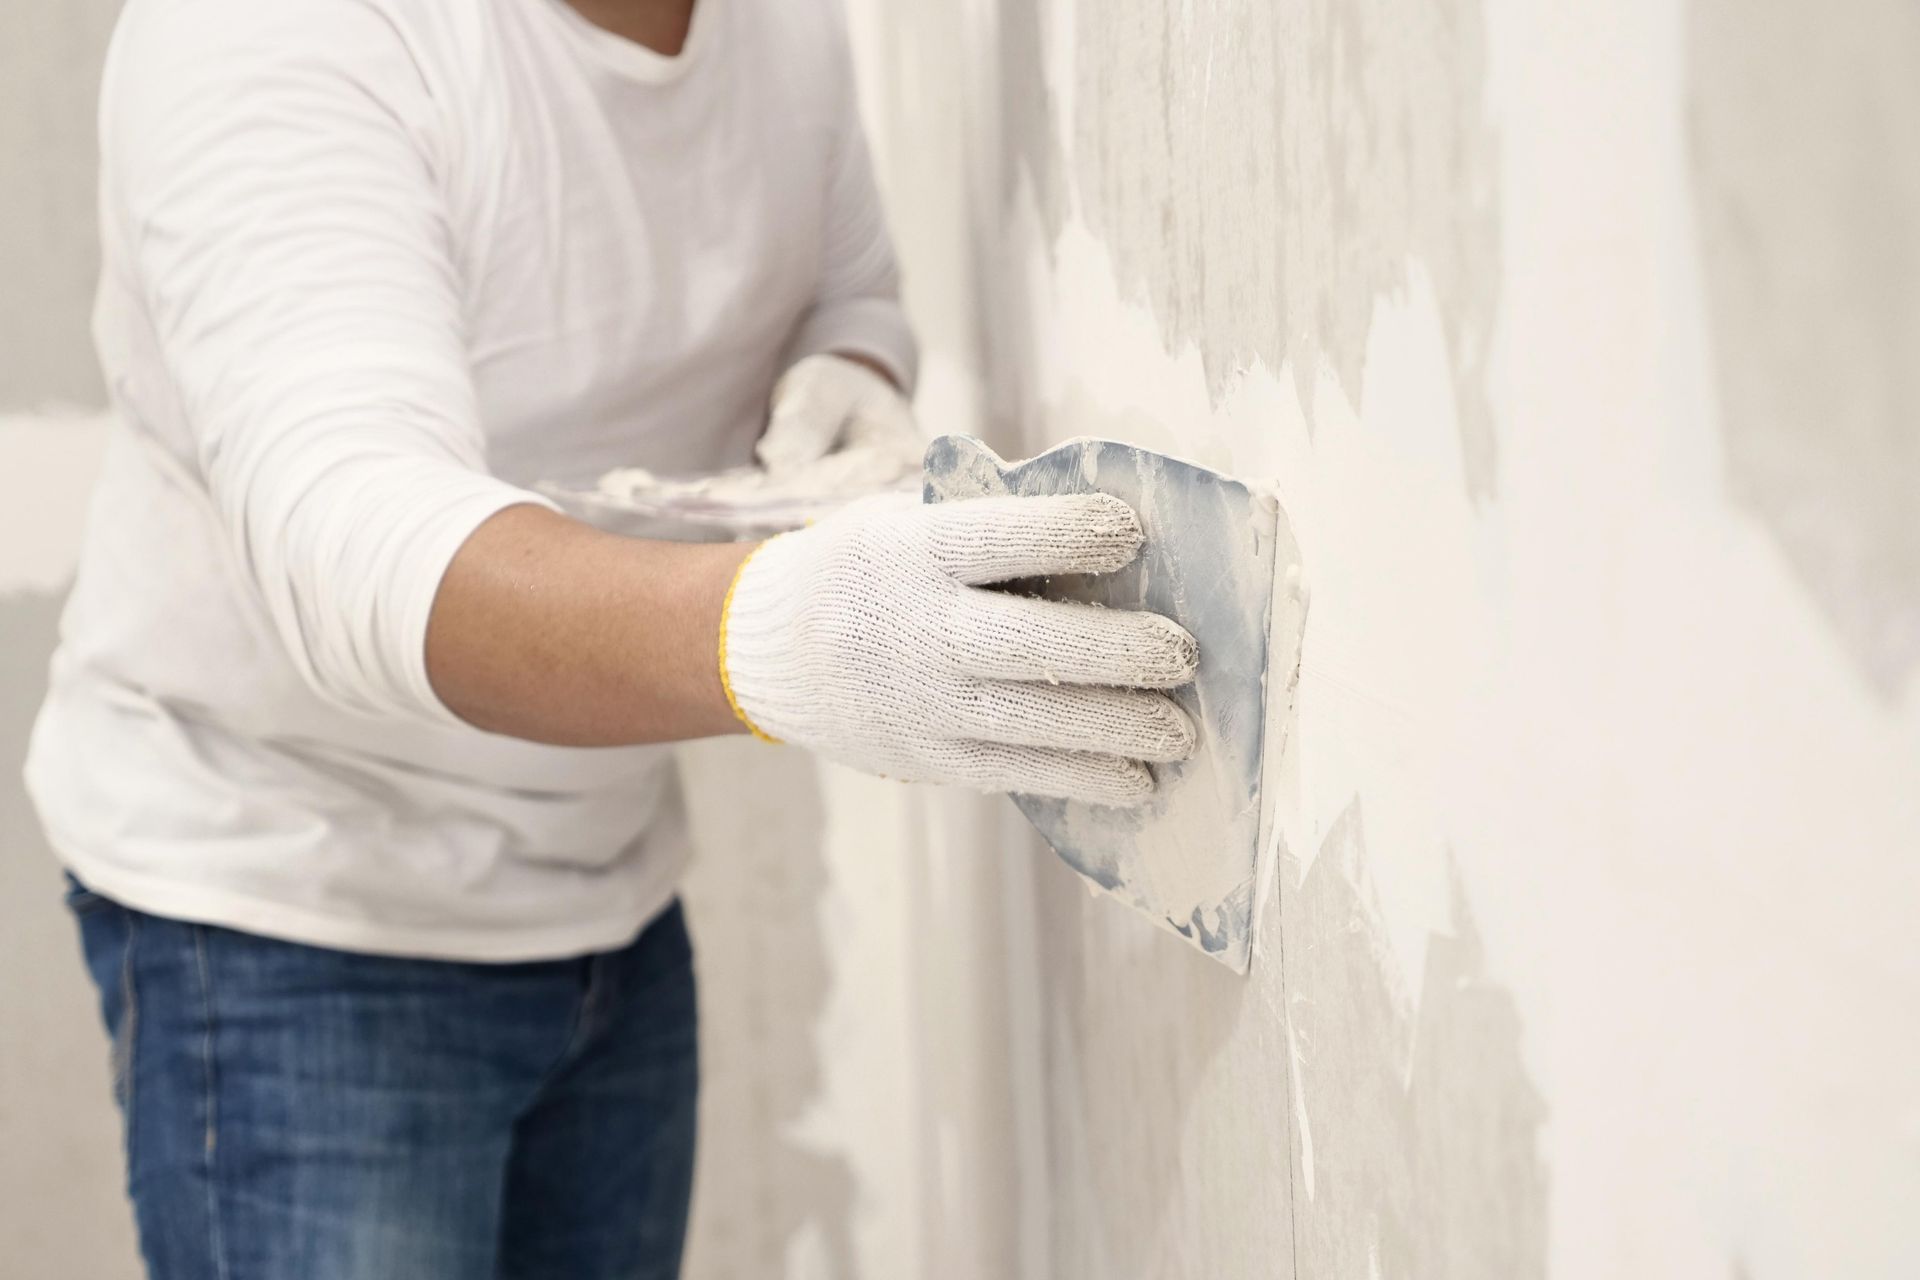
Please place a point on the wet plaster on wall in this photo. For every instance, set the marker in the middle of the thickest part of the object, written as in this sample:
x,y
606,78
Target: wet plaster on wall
x,y
1265,173
1320,1118
1166,1099
814,1160
1804,124
1273,189
1419,1150
762,1191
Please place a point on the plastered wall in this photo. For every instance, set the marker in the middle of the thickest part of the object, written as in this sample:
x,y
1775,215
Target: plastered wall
x,y
1580,340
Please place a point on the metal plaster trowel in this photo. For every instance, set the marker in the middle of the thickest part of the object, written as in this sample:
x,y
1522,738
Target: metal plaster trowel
x,y
1189,856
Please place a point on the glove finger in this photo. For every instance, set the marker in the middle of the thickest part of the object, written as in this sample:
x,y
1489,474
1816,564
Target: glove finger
x,y
982,540
1041,771
1019,638
1121,722
885,423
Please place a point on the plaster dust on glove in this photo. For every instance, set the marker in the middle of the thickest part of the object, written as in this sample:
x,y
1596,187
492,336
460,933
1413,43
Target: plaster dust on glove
x,y
1215,549
741,503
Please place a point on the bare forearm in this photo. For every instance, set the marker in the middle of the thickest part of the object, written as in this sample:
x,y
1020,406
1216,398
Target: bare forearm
x,y
546,629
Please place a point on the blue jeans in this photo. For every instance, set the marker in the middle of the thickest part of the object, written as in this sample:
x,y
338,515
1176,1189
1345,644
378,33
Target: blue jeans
x,y
296,1113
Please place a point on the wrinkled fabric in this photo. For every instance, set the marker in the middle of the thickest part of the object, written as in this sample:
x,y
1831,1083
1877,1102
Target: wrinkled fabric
x,y
370,269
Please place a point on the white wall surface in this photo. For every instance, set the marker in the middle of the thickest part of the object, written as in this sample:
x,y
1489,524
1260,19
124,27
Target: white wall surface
x,y
1580,342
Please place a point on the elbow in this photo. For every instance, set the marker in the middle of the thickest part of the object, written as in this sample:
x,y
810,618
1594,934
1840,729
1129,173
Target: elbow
x,y
345,555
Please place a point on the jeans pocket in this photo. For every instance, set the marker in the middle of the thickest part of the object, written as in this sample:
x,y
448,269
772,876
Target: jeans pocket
x,y
83,901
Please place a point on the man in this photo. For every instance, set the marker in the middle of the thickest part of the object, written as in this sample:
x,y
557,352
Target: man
x,y
354,745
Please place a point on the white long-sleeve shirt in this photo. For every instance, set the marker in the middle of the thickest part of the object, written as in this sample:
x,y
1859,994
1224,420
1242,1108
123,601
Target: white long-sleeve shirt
x,y
371,267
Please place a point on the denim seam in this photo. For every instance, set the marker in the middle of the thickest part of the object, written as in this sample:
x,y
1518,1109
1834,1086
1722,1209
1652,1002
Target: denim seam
x,y
216,1242
124,1042
576,1041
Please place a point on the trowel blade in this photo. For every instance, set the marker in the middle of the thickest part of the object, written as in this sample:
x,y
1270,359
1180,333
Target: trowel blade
x,y
1189,857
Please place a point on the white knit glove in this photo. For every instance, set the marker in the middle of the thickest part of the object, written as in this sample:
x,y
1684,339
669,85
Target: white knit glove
x,y
868,638
836,423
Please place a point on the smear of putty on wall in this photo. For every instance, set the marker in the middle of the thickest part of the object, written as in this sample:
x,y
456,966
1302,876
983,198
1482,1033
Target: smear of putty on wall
x,y
1264,174
1167,1110
1421,1124
753,905
1264,177
1804,123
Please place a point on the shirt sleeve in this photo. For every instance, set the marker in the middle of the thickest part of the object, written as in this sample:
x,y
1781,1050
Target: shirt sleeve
x,y
858,309
272,173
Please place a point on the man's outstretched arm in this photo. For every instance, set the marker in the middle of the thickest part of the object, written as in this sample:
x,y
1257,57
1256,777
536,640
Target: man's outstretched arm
x,y
548,629
871,638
